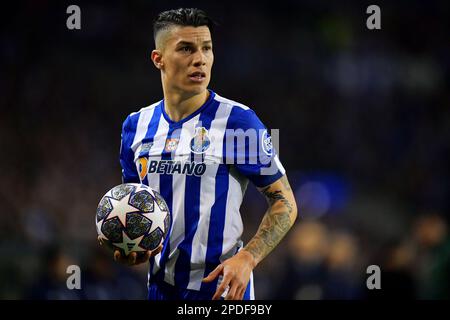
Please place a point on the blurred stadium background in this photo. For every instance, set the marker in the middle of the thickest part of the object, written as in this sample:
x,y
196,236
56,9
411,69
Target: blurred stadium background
x,y
365,137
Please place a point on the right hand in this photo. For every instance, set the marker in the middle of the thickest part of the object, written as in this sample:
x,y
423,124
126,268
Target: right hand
x,y
134,258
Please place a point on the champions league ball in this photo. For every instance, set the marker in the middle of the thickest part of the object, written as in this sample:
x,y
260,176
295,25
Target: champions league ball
x,y
132,217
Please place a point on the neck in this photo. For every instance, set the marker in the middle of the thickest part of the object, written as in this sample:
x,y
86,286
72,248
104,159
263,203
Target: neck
x,y
179,106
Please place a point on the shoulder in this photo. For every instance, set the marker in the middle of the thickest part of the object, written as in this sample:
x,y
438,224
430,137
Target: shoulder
x,y
228,103
131,121
240,115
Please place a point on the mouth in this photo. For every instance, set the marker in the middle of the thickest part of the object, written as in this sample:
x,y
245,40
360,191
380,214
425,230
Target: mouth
x,y
197,76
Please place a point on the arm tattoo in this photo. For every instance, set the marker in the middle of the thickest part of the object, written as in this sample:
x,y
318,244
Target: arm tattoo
x,y
274,196
272,229
274,225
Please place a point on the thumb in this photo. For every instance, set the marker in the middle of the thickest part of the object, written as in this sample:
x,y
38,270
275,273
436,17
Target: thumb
x,y
214,274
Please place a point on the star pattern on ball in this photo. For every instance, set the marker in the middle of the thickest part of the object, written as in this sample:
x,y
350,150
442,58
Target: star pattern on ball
x,y
120,209
128,245
98,224
156,219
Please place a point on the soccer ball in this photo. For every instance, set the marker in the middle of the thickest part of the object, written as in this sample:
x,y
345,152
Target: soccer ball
x,y
132,217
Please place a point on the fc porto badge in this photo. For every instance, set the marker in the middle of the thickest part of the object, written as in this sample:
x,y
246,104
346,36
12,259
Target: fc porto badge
x,y
200,142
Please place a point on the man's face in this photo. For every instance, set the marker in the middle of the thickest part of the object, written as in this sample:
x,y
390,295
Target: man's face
x,y
186,59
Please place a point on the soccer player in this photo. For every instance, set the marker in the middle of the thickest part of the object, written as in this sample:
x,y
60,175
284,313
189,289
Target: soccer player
x,y
189,148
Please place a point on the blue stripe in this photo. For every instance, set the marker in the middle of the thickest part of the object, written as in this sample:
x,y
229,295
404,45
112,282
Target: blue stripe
x,y
151,132
192,208
166,191
247,291
218,210
152,128
216,226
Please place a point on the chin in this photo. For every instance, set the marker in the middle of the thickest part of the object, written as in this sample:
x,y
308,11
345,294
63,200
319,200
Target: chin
x,y
196,89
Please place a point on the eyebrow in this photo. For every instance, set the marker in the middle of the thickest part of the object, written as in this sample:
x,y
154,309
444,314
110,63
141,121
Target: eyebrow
x,y
188,43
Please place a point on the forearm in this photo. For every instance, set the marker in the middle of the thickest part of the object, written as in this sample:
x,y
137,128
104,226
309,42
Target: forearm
x,y
277,221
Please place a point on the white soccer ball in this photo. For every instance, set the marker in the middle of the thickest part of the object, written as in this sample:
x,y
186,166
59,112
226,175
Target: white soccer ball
x,y
132,217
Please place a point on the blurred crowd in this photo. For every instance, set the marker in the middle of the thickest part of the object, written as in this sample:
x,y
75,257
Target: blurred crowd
x,y
364,119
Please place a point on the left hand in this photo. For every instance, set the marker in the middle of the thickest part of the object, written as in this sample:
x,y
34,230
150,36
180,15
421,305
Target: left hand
x,y
236,274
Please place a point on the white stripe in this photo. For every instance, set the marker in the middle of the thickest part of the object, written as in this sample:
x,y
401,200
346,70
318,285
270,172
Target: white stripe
x,y
230,102
207,196
178,196
233,221
159,141
145,115
279,165
152,106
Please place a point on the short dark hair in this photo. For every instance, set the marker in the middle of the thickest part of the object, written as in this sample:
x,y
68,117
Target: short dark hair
x,y
181,17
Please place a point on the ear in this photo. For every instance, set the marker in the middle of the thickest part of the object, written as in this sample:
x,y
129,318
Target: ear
x,y
157,59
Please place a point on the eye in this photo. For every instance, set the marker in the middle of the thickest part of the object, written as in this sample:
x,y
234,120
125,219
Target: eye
x,y
207,48
186,49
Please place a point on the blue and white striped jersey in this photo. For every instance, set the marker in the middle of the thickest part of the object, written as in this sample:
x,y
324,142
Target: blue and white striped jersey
x,y
202,172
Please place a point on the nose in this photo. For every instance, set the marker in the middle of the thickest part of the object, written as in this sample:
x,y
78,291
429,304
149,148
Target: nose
x,y
199,59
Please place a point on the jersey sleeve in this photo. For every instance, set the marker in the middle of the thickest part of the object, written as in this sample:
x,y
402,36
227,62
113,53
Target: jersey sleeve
x,y
252,154
129,171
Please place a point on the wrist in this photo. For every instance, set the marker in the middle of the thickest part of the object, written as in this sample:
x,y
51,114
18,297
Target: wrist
x,y
250,257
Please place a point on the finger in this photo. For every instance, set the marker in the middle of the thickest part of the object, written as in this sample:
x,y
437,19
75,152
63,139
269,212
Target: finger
x,y
214,274
143,257
100,240
156,251
232,292
132,258
241,293
221,288
117,255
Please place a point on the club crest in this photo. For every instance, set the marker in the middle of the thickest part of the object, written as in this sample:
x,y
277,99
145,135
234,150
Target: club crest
x,y
200,142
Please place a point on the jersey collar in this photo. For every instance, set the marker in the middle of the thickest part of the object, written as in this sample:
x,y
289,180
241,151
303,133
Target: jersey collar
x,y
196,112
